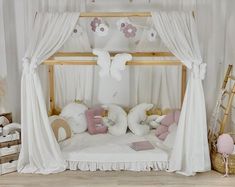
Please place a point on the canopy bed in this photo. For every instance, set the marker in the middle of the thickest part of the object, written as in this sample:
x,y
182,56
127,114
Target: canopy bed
x,y
40,151
59,58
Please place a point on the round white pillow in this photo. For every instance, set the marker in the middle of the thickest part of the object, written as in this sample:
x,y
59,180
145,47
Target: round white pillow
x,y
136,117
116,121
74,114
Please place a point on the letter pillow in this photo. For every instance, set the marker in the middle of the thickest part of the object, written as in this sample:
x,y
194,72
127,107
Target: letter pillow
x,y
136,118
74,114
166,124
116,121
94,121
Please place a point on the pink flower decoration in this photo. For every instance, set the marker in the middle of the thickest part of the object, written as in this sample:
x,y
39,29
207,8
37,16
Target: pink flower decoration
x,y
129,31
122,23
95,23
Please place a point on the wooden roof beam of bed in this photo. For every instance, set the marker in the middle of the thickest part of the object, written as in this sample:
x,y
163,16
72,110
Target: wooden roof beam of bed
x,y
134,54
55,61
94,62
117,14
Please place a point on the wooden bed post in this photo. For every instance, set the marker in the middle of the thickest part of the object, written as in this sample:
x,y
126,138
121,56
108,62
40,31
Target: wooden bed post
x,y
51,89
183,83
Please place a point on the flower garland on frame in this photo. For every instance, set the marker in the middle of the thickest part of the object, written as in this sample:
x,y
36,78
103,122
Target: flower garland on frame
x,y
124,25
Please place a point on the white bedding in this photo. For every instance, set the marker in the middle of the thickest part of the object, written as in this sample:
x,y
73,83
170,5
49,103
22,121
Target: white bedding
x,y
107,152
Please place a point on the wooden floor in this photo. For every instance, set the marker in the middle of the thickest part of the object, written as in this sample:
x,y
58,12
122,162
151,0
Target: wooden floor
x,y
109,179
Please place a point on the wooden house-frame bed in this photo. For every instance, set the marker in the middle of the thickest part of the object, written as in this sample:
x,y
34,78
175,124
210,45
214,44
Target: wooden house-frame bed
x,y
177,30
52,61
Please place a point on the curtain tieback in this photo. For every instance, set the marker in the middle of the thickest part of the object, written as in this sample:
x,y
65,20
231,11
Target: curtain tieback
x,y
28,66
199,70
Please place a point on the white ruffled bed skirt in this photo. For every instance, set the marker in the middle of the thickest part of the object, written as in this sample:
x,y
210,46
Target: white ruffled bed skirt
x,y
117,166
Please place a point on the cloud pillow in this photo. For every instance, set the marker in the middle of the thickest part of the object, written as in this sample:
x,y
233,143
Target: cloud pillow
x,y
74,114
137,117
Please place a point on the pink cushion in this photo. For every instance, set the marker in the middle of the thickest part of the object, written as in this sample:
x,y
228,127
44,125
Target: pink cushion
x,y
168,119
163,136
94,121
177,116
163,130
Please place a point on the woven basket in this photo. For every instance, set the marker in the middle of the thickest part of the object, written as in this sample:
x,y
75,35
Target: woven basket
x,y
219,165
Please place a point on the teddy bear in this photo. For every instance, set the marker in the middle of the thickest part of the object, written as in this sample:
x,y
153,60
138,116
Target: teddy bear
x,y
167,124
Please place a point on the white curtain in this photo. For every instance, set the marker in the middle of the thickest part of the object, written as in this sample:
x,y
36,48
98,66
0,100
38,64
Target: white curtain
x,y
40,153
190,153
74,82
159,85
3,69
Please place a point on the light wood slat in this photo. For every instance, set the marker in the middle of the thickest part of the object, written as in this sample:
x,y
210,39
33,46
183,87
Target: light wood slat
x,y
134,54
93,62
52,89
10,143
114,14
183,82
117,14
226,76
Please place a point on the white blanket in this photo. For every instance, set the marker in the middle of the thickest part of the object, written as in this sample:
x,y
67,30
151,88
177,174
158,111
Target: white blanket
x,y
108,152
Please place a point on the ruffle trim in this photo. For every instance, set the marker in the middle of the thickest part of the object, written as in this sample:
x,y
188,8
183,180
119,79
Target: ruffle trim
x,y
117,166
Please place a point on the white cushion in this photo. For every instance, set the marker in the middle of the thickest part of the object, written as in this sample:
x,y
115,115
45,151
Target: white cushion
x,y
74,114
136,117
154,121
116,120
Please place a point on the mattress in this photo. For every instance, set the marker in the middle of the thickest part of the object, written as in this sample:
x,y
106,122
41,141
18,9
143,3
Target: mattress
x,y
107,152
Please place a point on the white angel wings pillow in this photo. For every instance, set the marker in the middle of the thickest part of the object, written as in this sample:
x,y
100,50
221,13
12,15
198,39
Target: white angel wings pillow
x,y
116,121
111,68
136,118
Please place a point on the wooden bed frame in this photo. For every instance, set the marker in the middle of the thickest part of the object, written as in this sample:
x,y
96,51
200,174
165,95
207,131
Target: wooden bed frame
x,y
52,61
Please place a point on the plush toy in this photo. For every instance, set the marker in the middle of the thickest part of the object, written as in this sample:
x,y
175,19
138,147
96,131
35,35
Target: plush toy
x,y
94,121
116,121
74,114
167,124
225,146
137,119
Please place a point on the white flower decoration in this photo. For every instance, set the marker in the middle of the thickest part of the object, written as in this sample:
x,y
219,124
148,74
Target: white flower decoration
x,y
122,23
151,35
102,29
